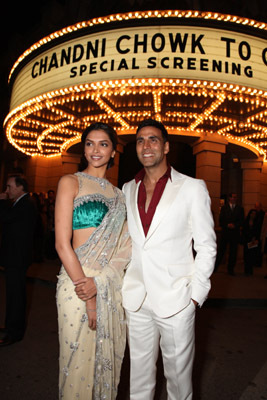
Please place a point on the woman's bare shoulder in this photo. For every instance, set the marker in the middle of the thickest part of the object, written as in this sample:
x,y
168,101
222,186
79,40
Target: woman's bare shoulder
x,y
69,182
69,178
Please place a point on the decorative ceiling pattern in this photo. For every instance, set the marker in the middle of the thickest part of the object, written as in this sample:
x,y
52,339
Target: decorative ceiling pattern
x,y
55,122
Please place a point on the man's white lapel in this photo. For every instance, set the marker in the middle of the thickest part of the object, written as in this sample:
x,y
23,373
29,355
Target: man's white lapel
x,y
169,195
134,207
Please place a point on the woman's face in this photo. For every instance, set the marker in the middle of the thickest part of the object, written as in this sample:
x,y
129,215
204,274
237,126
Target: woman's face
x,y
98,149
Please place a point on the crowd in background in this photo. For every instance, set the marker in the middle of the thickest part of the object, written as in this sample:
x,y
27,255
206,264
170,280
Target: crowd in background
x,y
44,238
239,229
249,230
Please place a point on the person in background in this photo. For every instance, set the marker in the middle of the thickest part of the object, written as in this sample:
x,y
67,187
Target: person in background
x,y
18,217
174,250
263,239
38,244
260,217
50,250
251,240
231,220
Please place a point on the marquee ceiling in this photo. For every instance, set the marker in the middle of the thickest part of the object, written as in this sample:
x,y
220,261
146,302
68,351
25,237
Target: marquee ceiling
x,y
53,122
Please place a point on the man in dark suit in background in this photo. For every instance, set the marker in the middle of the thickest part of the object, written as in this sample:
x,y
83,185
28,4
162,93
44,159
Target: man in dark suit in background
x,y
17,215
260,218
231,220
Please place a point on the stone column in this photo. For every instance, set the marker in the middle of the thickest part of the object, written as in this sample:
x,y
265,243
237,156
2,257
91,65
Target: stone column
x,y
251,182
43,173
208,150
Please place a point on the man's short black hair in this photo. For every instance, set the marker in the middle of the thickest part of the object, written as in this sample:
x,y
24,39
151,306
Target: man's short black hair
x,y
20,181
156,124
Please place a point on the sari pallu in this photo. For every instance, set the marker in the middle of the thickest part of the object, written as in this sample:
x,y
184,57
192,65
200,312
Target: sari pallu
x,y
90,362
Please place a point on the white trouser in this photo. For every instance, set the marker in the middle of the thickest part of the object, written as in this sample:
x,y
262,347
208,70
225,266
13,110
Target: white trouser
x,y
176,336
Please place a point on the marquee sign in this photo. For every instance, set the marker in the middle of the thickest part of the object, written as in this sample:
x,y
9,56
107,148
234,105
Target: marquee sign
x,y
197,72
184,52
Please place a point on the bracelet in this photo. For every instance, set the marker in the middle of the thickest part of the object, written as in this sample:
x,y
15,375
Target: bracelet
x,y
91,309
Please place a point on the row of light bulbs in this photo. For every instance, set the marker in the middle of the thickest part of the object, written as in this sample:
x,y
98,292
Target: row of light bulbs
x,y
221,97
28,113
73,94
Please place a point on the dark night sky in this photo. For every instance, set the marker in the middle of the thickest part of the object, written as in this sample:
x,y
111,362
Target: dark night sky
x,y
26,22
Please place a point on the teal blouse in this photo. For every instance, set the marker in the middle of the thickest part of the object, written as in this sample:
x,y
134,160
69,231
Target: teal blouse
x,y
89,214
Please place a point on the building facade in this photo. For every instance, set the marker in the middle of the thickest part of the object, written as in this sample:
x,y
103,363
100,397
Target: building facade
x,y
202,74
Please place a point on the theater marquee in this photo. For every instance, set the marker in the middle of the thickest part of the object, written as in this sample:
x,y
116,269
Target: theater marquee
x,y
153,52
200,73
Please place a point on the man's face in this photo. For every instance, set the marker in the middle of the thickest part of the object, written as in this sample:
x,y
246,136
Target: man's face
x,y
13,191
233,198
51,195
150,147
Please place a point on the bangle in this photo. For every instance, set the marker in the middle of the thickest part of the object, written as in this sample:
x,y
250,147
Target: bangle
x,y
91,309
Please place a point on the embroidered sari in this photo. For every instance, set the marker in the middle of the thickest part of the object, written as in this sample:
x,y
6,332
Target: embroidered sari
x,y
90,361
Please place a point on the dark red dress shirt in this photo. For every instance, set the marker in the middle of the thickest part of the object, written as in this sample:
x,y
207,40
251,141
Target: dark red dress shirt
x,y
146,217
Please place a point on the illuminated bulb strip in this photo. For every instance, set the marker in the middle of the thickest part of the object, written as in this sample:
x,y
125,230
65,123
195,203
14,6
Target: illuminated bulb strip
x,y
43,136
72,93
66,145
135,16
258,135
23,133
115,115
220,99
237,140
9,133
263,144
157,101
42,106
225,129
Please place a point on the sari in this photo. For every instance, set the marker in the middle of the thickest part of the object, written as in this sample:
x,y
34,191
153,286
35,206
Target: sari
x,y
90,361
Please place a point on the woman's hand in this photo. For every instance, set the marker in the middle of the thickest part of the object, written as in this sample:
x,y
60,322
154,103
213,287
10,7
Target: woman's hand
x,y
91,313
85,288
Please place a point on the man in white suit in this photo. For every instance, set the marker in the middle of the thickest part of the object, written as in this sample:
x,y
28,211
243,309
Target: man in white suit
x,y
168,215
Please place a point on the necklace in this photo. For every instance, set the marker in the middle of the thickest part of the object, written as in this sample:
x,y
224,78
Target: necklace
x,y
101,181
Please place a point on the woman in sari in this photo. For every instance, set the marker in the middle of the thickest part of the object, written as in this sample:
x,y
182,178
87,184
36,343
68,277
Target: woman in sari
x,y
93,244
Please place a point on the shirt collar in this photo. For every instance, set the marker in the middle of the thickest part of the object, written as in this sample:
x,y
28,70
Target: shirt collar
x,y
141,174
15,202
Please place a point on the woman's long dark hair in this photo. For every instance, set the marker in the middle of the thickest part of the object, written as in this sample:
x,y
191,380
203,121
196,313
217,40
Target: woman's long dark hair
x,y
99,126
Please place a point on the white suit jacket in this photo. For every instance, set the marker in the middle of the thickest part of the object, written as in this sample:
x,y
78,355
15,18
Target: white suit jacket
x,y
163,265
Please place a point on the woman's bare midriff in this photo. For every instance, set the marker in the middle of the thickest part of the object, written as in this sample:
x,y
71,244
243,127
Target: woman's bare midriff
x,y
80,236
